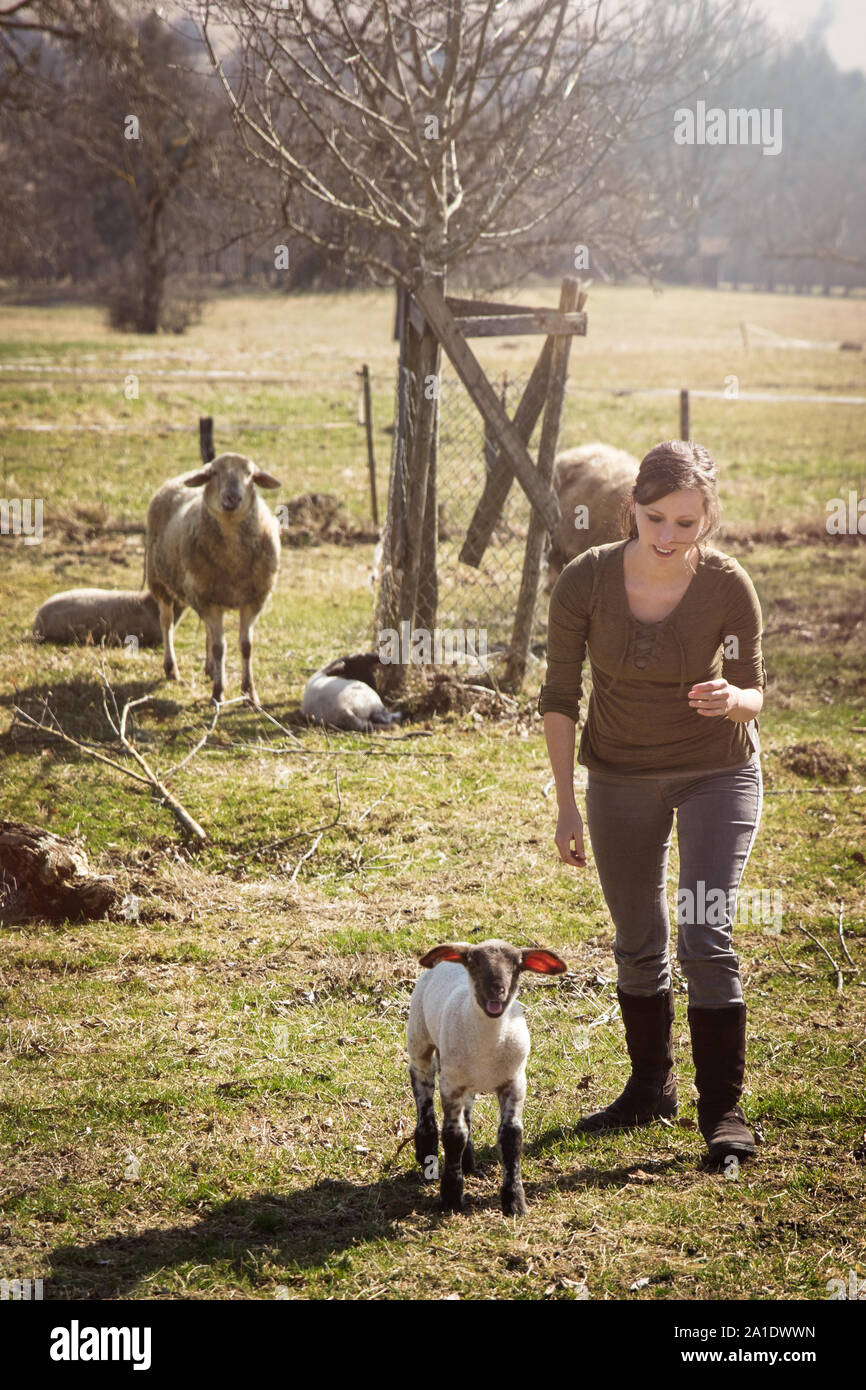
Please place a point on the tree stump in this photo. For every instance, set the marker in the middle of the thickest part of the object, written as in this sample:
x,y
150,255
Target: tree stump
x,y
42,875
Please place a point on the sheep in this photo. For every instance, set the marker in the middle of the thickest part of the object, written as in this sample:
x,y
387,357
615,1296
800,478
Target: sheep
x,y
96,615
343,695
213,550
591,483
465,1023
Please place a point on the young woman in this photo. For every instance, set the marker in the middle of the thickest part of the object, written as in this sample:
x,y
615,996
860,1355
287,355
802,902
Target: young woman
x,y
673,631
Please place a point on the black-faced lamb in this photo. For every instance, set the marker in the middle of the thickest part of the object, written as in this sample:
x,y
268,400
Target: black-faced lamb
x,y
591,483
343,695
99,615
465,1024
212,543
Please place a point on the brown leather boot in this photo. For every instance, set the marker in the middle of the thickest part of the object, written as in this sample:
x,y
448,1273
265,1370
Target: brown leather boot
x,y
719,1050
651,1090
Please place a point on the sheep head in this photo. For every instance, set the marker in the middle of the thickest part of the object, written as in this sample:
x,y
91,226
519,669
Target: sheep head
x,y
229,484
494,969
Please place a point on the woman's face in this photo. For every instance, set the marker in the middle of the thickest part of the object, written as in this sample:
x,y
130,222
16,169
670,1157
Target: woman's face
x,y
669,527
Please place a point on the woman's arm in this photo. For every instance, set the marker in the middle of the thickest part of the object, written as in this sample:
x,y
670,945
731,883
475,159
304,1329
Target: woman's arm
x,y
559,736
719,698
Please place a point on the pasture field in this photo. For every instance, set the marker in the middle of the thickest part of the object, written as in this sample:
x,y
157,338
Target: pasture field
x,y
207,1095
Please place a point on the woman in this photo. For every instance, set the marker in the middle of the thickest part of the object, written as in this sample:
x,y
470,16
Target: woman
x,y
673,632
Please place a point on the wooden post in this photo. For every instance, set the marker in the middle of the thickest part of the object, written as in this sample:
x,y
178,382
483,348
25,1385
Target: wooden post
x,y
521,634
685,422
205,438
371,457
472,375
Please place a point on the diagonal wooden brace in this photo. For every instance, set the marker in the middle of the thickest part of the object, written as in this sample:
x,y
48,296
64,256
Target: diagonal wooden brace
x,y
468,368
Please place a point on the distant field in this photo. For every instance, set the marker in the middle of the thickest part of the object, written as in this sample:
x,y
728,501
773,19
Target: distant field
x,y
243,1037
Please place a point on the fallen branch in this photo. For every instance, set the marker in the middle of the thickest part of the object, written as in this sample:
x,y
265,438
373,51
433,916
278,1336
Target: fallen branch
x,y
147,775
309,854
842,938
784,962
836,969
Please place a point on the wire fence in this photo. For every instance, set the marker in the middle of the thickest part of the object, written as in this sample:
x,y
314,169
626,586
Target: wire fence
x,y
484,597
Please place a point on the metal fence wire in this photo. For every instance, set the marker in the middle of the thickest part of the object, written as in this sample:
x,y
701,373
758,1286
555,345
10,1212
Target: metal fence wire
x,y
484,597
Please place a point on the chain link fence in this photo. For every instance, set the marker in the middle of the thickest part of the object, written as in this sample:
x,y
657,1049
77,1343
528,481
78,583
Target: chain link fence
x,y
484,597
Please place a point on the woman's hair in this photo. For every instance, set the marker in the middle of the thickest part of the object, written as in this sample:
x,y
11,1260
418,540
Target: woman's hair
x,y
678,463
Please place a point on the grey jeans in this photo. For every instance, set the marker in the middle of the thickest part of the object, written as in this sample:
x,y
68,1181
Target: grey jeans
x,y
630,822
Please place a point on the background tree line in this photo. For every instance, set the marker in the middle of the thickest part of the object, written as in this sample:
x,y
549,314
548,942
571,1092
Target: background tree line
x,y
145,154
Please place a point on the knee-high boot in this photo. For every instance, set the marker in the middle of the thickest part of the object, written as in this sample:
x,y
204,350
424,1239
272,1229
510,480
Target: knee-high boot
x,y
719,1051
651,1090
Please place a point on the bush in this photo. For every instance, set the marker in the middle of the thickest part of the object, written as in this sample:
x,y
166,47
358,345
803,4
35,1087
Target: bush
x,y
120,294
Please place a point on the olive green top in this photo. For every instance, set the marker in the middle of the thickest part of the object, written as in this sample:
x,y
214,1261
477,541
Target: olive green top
x,y
639,721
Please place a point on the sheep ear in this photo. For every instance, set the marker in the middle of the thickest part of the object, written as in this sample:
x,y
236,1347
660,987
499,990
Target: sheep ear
x,y
266,480
543,962
199,479
454,951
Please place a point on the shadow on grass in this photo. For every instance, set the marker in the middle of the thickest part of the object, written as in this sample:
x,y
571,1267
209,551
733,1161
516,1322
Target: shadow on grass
x,y
76,704
301,1231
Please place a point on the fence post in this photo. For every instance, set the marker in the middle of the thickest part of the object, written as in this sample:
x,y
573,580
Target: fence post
x,y
685,415
371,457
528,597
205,438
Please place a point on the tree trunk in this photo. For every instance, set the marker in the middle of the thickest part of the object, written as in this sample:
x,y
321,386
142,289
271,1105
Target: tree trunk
x,y
42,875
153,273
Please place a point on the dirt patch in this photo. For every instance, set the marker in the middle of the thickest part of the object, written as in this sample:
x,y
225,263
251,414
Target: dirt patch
x,y
816,760
444,692
316,518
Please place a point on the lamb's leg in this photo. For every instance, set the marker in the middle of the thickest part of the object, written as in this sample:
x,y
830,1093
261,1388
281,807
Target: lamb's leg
x,y
213,618
455,1134
248,618
510,1137
423,1078
470,1166
208,655
166,622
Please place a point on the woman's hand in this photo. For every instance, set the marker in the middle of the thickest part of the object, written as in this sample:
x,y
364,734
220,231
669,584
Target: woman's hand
x,y
714,698
569,827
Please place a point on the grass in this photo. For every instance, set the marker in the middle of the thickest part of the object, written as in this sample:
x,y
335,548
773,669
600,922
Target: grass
x,y
206,1095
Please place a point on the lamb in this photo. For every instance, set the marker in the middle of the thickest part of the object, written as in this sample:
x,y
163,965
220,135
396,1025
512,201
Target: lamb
x,y
213,550
465,1023
591,483
343,695
96,615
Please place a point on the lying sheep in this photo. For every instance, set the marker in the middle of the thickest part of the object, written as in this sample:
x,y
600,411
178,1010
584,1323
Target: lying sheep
x,y
465,1023
591,483
343,695
213,550
97,615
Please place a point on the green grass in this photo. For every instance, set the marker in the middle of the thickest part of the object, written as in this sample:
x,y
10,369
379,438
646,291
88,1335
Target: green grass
x,y
241,1038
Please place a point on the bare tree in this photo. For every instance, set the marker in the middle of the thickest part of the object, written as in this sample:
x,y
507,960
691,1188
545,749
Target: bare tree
x,y
407,137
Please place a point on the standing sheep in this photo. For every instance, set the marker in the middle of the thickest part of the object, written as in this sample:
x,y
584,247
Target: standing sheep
x,y
465,1023
591,483
213,550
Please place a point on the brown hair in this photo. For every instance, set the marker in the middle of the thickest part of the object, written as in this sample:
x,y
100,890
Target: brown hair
x,y
675,464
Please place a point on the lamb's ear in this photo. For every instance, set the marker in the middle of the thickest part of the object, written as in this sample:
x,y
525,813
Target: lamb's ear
x,y
199,479
543,962
266,480
456,950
